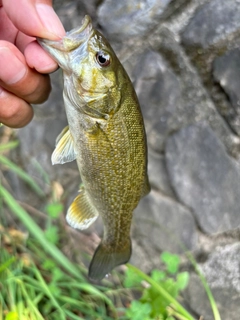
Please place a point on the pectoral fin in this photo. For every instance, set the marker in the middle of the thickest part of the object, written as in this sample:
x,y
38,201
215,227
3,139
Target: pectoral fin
x,y
81,213
64,151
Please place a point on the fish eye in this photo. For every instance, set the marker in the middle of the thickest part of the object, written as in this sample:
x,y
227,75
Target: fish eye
x,y
103,59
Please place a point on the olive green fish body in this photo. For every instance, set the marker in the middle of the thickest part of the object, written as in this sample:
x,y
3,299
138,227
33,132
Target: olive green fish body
x,y
106,136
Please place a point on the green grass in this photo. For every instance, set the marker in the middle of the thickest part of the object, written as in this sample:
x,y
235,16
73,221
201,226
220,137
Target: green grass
x,y
38,281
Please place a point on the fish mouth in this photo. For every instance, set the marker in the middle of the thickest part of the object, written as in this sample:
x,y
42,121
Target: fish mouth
x,y
72,40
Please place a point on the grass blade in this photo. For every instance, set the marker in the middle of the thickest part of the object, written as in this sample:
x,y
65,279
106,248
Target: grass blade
x,y
48,292
6,264
8,146
206,287
23,175
38,234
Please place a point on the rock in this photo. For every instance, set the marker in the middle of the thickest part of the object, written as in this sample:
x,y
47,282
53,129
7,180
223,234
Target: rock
x,y
221,270
72,13
158,175
160,223
158,90
171,93
226,72
204,177
124,19
182,58
212,23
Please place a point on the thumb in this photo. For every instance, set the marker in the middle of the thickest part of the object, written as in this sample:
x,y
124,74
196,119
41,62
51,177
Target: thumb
x,y
35,18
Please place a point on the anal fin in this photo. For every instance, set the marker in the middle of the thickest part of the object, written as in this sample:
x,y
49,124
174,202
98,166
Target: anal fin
x,y
81,214
64,151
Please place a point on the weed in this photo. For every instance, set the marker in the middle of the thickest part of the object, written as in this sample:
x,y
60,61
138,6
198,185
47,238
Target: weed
x,y
159,291
37,281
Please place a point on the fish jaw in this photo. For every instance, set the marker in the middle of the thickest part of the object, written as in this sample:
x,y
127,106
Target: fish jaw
x,y
72,47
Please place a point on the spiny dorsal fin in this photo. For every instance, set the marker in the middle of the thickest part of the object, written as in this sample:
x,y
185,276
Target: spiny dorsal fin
x,y
64,151
107,257
81,213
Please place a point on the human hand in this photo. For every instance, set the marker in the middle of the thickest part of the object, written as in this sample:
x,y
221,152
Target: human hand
x,y
23,63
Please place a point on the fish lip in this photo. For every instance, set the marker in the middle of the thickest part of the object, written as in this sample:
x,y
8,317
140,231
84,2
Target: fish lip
x,y
72,39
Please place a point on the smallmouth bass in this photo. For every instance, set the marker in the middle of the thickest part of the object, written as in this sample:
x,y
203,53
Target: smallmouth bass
x,y
106,136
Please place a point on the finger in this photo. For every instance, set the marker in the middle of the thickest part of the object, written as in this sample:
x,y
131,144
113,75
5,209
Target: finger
x,y
38,59
35,56
22,41
14,112
7,29
18,78
35,18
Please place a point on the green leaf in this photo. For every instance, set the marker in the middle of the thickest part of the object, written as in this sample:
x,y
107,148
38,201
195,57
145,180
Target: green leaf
x,y
51,234
138,310
182,280
132,279
54,289
163,292
171,261
57,274
158,275
54,209
48,264
171,287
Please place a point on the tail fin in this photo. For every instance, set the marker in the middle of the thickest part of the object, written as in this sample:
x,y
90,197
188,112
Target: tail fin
x,y
105,259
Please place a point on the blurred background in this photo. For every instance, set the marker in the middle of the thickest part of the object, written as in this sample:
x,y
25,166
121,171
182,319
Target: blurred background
x,y
183,58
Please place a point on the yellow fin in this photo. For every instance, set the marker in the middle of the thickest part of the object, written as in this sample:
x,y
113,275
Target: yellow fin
x,y
61,134
64,151
106,257
81,213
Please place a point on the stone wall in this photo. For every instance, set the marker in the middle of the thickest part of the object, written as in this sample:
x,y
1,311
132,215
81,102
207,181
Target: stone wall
x,y
183,57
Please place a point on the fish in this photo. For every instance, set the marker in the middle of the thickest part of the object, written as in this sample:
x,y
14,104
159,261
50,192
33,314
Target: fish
x,y
106,137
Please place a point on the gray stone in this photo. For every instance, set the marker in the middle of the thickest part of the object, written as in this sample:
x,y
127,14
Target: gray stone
x,y
161,223
226,91
158,174
71,12
171,93
159,93
222,272
168,48
226,72
123,19
204,177
212,22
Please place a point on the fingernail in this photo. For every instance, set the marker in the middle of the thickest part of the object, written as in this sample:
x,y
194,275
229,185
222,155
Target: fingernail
x,y
12,69
50,19
2,93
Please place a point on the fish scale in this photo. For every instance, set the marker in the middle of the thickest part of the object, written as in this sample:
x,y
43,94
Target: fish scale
x,y
106,137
